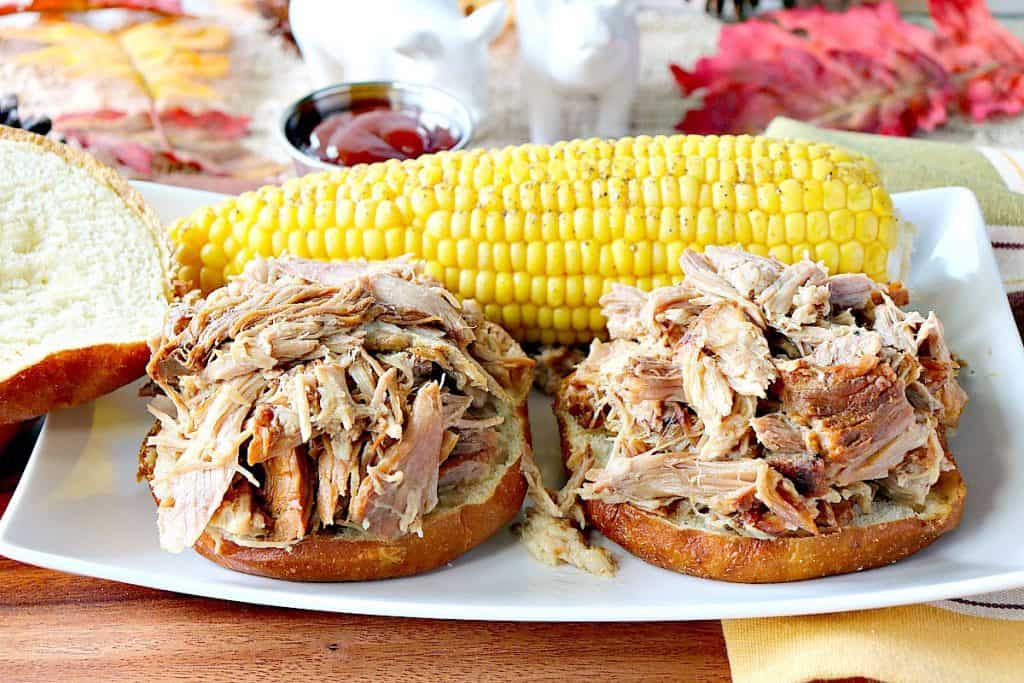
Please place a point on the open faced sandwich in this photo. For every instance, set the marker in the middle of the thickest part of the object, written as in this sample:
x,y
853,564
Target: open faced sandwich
x,y
334,421
761,422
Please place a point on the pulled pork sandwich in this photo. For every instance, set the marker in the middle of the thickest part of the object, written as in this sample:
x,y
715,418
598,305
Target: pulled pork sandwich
x,y
334,421
761,422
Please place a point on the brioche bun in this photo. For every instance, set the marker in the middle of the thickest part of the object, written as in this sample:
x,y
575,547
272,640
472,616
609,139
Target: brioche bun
x,y
463,519
83,277
890,532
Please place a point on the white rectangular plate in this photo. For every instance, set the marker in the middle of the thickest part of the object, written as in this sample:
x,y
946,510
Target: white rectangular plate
x,y
79,509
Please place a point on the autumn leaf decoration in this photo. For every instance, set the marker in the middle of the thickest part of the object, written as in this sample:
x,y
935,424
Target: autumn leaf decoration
x,y
159,6
863,69
154,86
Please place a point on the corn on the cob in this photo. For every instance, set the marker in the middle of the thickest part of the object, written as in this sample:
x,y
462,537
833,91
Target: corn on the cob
x,y
537,234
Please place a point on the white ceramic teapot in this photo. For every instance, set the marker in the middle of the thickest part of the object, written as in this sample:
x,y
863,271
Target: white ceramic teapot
x,y
578,48
419,41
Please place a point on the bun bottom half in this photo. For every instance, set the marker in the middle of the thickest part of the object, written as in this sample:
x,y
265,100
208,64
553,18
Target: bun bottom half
x,y
889,533
463,520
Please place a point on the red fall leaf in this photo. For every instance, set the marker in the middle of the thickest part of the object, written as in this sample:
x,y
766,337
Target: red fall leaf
x,y
159,6
863,69
987,59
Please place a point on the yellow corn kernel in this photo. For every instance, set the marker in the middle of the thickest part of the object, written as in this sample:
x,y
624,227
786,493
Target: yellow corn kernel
x,y
573,258
510,315
803,251
759,226
189,275
705,200
800,169
545,321
796,228
448,253
394,241
452,279
635,227
821,169
768,198
521,282
791,193
783,252
828,253
776,234
758,249
466,253
742,230
555,295
535,252
745,197
458,228
689,191
687,225
213,256
210,278
669,189
485,286
834,195
867,227
888,232
333,242
881,202
842,226
858,197
297,245
851,257
724,233
517,255
659,260
574,291
435,270
876,260
315,242
723,197
622,256
641,258
817,227
706,227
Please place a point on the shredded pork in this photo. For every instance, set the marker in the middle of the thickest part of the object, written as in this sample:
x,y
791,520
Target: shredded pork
x,y
305,396
769,399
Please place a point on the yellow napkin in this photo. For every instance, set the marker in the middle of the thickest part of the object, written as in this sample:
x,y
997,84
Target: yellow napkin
x,y
917,644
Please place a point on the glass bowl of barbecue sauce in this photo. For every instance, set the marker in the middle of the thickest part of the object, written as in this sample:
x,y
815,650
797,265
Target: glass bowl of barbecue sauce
x,y
360,123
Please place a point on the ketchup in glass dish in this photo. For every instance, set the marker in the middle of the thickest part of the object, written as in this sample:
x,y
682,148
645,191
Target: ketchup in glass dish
x,y
375,132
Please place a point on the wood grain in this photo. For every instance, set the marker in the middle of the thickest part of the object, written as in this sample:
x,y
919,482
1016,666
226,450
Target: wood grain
x,y
56,626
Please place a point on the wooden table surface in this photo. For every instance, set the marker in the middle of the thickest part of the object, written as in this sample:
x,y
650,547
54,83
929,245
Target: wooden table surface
x,y
59,627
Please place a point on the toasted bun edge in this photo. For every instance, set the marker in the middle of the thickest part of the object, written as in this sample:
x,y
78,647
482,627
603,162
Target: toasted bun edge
x,y
69,378
447,534
744,559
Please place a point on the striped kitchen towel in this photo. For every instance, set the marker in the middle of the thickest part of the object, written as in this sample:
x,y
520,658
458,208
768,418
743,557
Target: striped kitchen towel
x,y
1001,605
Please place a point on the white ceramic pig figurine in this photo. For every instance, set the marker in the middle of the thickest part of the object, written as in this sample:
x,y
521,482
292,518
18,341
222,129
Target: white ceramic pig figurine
x,y
574,48
419,41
